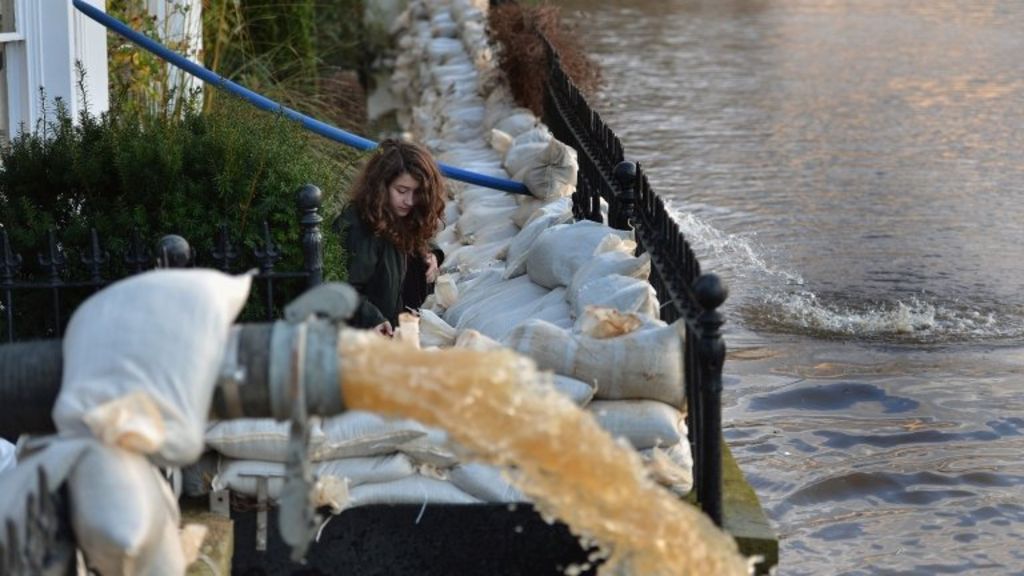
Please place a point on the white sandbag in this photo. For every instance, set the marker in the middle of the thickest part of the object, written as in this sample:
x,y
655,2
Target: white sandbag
x,y
141,376
646,364
620,243
442,50
474,340
242,476
562,249
434,450
500,104
526,154
465,115
580,392
446,290
528,207
500,229
408,331
550,174
359,433
486,221
607,264
468,288
442,25
7,458
553,214
509,295
500,141
622,293
434,331
517,121
474,196
474,287
645,423
499,321
539,134
124,515
451,214
459,133
601,323
478,256
488,483
471,153
671,467
411,490
258,438
56,459
366,470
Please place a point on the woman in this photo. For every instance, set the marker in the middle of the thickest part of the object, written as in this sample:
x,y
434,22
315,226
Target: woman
x,y
395,207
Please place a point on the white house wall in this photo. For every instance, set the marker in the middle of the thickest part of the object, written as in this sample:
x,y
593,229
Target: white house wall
x,y
53,36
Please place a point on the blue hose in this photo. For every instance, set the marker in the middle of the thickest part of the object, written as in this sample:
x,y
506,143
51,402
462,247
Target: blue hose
x,y
264,103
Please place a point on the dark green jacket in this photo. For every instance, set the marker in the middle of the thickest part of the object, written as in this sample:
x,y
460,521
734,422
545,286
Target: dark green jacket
x,y
376,268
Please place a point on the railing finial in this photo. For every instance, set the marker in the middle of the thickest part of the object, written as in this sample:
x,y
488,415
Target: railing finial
x,y
223,253
710,291
173,251
136,255
625,200
309,198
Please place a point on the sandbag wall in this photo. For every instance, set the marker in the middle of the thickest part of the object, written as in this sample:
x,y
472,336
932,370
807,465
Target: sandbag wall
x,y
518,273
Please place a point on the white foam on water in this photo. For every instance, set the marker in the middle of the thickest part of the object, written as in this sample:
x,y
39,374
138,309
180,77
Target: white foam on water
x,y
776,299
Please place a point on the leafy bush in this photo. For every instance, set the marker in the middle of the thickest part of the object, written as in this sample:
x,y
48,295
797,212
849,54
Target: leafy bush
x,y
117,172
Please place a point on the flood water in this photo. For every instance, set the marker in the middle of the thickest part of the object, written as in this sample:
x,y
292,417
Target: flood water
x,y
855,170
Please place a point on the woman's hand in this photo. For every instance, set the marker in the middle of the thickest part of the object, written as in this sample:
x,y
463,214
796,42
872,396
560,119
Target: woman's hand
x,y
432,270
384,329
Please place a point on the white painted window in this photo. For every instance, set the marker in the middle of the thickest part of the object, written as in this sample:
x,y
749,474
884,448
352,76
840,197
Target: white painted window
x,y
40,42
8,34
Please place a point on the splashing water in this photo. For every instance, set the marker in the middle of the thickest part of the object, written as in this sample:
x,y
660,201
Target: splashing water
x,y
782,303
495,404
913,320
737,253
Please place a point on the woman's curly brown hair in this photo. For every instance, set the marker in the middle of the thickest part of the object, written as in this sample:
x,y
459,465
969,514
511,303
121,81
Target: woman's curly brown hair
x,y
369,195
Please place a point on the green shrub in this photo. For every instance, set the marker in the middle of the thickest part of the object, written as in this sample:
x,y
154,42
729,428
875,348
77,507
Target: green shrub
x,y
233,165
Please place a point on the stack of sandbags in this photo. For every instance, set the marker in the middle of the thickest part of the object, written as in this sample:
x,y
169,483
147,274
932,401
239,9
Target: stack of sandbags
x,y
358,458
518,271
140,360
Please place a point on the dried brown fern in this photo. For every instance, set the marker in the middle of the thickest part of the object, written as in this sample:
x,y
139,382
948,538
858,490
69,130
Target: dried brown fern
x,y
523,56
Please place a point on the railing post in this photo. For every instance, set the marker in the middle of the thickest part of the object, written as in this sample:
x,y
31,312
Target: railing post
x,y
223,253
173,251
711,293
266,257
622,212
54,263
308,198
136,255
9,265
95,258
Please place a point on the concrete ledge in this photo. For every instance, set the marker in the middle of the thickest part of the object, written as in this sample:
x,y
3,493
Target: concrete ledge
x,y
743,516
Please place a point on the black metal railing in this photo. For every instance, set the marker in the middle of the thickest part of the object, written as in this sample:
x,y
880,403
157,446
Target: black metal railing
x,y
20,283
683,292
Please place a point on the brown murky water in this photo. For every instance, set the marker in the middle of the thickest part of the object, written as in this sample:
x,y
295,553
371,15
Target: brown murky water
x,y
856,171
